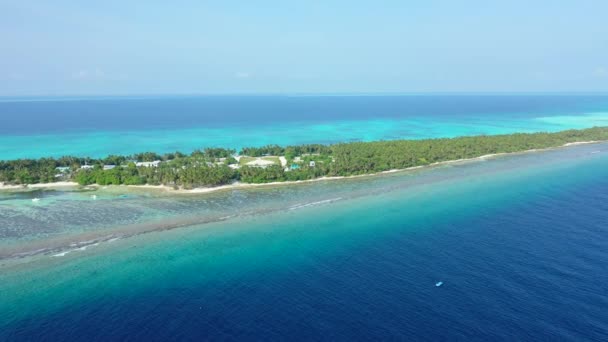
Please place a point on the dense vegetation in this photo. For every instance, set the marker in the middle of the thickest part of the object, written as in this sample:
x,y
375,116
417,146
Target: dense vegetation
x,y
289,151
211,167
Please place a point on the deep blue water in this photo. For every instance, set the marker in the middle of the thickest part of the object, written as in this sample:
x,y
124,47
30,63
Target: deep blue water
x,y
46,115
522,252
96,127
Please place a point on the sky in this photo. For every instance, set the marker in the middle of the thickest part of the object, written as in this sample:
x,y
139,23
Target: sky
x,y
111,47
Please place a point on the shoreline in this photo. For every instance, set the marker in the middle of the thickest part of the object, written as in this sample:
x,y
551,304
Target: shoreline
x,y
74,242
38,186
239,185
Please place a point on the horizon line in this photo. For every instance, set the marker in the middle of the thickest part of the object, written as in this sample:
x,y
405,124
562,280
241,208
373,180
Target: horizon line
x,y
262,94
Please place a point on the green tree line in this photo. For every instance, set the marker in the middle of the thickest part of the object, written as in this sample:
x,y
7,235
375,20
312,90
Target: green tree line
x,y
210,167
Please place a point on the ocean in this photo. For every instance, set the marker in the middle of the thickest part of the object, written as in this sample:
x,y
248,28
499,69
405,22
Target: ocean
x,y
98,126
519,242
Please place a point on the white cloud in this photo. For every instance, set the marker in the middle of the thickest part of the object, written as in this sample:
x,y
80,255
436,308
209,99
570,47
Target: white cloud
x,y
600,72
88,74
243,75
96,75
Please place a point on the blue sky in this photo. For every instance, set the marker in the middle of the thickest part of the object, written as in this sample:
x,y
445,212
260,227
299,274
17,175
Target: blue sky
x,y
160,47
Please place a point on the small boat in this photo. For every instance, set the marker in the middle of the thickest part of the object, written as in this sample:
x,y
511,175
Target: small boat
x,y
36,199
94,197
439,283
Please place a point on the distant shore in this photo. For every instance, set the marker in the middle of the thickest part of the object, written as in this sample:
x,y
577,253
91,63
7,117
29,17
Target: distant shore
x,y
240,185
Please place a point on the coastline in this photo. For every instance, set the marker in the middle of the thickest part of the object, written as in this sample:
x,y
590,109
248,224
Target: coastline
x,y
38,186
73,242
239,185
428,208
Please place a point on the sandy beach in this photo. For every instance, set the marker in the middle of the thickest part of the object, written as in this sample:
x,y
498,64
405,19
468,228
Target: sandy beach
x,y
26,187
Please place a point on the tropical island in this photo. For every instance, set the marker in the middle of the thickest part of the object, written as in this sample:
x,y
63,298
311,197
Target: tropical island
x,y
215,167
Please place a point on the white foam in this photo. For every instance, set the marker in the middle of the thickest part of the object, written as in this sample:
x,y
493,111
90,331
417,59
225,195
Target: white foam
x,y
83,248
87,246
300,206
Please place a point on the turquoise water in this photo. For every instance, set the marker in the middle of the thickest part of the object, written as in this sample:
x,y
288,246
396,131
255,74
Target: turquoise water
x,y
100,126
518,241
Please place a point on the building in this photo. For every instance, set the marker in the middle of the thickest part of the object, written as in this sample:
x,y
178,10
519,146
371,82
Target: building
x,y
109,167
312,163
148,164
63,169
258,162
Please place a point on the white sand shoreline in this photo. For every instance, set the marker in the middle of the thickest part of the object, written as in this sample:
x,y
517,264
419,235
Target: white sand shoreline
x,y
38,186
239,185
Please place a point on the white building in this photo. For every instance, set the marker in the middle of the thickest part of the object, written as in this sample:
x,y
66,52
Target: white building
x,y
148,164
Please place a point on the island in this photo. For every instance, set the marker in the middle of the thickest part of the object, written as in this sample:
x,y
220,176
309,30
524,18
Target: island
x,y
221,167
